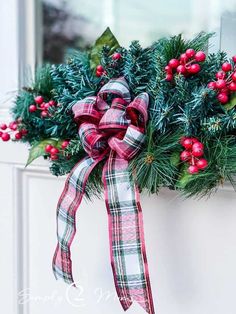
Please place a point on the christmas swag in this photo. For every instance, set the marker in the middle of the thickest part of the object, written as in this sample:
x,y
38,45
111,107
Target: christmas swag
x,y
127,120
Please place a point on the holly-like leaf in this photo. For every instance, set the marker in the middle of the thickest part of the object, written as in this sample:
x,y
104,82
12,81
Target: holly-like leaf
x,y
175,159
184,179
38,149
230,105
106,39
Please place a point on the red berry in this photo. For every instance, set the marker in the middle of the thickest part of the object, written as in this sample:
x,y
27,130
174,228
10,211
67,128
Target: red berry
x,y
13,126
193,169
202,163
226,67
52,103
197,152
100,68
116,56
220,75
185,155
225,90
53,157
181,69
173,63
194,68
5,137
42,106
1,133
169,77
232,86
18,135
234,59
98,73
195,140
32,108
220,84
44,114
54,151
192,139
211,85
183,58
200,56
24,131
46,106
3,126
187,143
198,145
190,53
168,69
38,99
64,144
48,148
223,98
234,76
12,123
197,149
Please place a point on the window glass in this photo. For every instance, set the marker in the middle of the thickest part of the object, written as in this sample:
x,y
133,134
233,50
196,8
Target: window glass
x,y
77,23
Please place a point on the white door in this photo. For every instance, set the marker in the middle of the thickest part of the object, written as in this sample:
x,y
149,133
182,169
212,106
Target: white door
x,y
191,245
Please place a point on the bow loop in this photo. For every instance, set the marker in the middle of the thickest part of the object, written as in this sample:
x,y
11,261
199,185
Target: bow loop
x,y
137,110
85,110
93,141
114,118
130,145
117,87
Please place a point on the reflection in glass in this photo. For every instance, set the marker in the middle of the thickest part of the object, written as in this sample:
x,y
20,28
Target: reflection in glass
x,y
76,23
65,28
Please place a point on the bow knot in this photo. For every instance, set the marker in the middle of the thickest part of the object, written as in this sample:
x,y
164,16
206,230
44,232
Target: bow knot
x,y
119,127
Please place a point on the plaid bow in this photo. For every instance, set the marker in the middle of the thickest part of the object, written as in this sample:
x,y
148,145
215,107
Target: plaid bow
x,y
114,133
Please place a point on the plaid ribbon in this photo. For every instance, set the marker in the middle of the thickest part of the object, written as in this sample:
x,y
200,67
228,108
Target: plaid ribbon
x,y
115,133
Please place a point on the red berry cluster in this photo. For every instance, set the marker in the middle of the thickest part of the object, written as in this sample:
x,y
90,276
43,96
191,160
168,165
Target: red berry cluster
x,y
225,83
185,65
40,104
53,151
12,131
100,71
192,154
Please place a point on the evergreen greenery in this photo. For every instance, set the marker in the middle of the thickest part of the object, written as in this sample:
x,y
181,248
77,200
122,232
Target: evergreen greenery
x,y
182,107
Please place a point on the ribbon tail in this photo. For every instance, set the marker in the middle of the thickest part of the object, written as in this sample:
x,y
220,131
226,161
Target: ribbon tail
x,y
127,247
66,212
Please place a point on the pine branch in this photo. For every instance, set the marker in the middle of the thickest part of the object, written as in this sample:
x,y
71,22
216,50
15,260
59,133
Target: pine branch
x,y
154,167
137,68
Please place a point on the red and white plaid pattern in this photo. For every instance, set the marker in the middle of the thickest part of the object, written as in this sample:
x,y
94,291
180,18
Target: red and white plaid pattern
x,y
66,210
114,132
128,257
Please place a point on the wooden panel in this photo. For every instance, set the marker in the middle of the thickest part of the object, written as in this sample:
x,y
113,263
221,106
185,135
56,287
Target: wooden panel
x,y
191,249
7,260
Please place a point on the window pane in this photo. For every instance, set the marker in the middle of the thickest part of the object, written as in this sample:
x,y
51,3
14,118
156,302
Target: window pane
x,y
68,24
76,23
